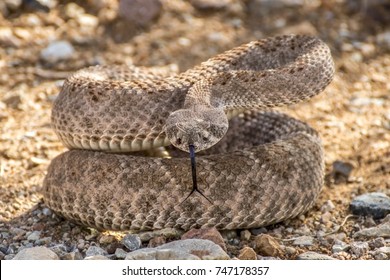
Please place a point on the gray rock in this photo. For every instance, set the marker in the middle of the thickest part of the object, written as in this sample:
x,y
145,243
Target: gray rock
x,y
97,257
375,204
56,51
381,256
304,241
132,242
47,211
34,236
43,241
257,231
359,248
205,249
341,171
94,251
340,246
9,257
140,12
60,250
36,253
182,249
3,248
382,230
120,253
377,243
384,250
313,256
159,254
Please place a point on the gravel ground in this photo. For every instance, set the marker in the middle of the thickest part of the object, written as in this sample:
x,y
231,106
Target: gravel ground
x,y
43,41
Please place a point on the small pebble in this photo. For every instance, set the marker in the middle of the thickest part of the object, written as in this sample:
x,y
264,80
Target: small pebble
x,y
340,247
304,241
140,12
34,236
247,253
290,250
36,253
381,256
257,231
56,51
60,250
327,206
132,242
384,250
245,235
341,171
157,241
96,257
359,248
43,241
160,254
95,250
76,255
199,248
9,257
47,212
106,239
120,253
266,245
211,234
375,204
313,256
377,243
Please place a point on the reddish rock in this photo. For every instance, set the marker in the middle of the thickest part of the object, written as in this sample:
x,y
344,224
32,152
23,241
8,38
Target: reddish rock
x,y
247,253
211,234
266,245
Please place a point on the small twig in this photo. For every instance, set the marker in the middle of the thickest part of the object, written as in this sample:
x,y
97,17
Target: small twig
x,y
326,234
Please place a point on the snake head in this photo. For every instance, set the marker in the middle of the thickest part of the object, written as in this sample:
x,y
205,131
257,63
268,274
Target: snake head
x,y
201,127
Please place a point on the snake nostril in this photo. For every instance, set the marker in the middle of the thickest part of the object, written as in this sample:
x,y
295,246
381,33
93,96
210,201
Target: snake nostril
x,y
178,141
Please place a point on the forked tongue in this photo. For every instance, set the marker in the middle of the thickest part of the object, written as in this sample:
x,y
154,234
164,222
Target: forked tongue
x,y
193,169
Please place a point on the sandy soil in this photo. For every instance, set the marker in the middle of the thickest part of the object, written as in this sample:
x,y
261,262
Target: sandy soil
x,y
352,115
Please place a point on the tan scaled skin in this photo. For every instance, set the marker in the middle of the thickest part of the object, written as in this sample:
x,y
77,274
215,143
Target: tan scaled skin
x,y
266,168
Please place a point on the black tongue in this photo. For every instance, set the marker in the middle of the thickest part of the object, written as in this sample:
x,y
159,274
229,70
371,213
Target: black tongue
x,y
193,169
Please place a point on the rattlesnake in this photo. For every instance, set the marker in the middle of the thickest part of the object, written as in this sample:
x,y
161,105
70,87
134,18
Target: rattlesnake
x,y
268,167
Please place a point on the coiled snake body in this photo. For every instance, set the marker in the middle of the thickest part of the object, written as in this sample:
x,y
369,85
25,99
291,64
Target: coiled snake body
x,y
267,168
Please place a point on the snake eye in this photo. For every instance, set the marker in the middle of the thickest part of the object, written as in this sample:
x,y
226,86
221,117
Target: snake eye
x,y
178,141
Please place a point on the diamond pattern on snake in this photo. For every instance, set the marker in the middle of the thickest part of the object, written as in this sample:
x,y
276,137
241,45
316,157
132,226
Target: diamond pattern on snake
x,y
254,166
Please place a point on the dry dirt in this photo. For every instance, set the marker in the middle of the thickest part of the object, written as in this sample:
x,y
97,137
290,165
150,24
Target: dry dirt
x,y
352,114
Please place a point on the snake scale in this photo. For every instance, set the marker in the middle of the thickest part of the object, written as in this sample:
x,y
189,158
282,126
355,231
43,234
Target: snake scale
x,y
266,168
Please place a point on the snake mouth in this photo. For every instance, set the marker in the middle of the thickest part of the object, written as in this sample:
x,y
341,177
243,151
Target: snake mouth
x,y
195,188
